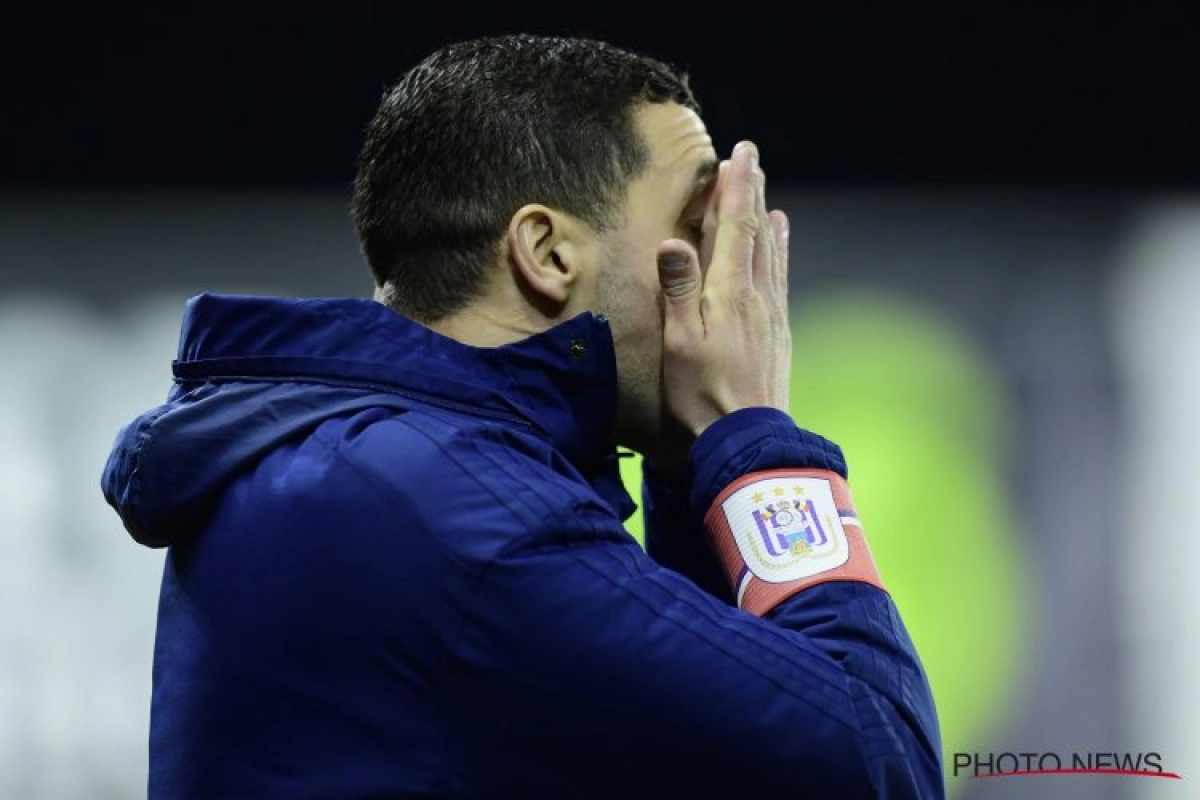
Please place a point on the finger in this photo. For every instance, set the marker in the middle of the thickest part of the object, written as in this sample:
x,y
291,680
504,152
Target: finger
x,y
764,243
781,231
680,280
708,227
779,228
736,223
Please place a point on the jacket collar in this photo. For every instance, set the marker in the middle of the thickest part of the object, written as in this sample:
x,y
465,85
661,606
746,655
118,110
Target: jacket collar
x,y
561,383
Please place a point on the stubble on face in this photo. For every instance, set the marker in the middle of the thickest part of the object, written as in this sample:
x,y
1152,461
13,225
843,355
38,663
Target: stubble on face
x,y
635,312
657,207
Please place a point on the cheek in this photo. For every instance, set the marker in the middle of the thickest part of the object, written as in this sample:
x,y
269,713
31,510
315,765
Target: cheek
x,y
633,288
641,249
632,300
642,289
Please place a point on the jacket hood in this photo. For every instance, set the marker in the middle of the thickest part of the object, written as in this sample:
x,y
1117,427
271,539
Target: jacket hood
x,y
255,372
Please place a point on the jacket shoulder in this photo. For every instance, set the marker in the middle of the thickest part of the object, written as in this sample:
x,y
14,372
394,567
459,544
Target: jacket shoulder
x,y
451,474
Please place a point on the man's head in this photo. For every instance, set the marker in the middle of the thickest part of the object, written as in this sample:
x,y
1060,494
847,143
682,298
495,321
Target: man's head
x,y
519,180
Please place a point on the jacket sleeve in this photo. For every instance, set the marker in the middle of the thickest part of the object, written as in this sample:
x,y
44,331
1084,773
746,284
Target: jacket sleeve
x,y
675,536
601,672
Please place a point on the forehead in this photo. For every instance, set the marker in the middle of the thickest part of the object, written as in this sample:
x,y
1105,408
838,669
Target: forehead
x,y
677,139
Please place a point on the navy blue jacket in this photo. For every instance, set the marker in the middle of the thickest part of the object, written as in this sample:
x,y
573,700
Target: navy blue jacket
x,y
396,567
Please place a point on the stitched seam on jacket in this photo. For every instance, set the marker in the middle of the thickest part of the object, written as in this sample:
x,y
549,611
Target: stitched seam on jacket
x,y
448,658
417,421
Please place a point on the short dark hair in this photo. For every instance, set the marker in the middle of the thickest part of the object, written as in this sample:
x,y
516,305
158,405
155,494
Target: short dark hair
x,y
482,127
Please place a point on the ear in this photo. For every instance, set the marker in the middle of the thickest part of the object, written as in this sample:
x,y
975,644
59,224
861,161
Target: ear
x,y
545,249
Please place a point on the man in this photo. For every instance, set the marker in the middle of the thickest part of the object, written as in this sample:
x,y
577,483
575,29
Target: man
x,y
396,563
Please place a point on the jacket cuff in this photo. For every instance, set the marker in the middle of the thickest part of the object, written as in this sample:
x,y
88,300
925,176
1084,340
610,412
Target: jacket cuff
x,y
752,440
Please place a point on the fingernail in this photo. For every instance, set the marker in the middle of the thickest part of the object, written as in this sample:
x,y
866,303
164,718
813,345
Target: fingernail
x,y
752,153
673,262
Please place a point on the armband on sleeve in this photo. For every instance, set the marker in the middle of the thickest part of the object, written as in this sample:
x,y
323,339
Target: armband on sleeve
x,y
779,531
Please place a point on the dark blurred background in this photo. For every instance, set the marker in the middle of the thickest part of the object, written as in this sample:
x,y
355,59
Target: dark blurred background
x,y
995,272
837,93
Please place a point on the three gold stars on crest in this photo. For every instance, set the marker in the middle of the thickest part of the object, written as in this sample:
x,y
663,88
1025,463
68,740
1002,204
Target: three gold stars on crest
x,y
778,491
